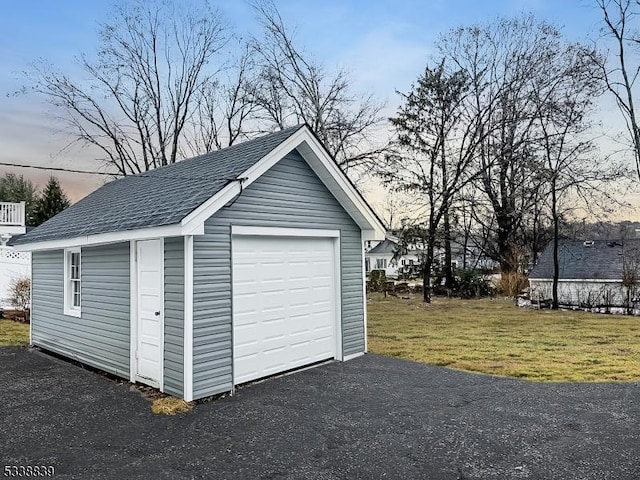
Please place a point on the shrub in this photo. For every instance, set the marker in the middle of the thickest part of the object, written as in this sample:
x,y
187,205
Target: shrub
x,y
20,296
512,284
472,284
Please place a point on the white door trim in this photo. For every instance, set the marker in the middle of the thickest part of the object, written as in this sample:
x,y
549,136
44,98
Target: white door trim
x,y
295,232
337,259
134,326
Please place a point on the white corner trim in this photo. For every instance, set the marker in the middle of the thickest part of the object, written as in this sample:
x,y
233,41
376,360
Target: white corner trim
x,y
352,356
176,230
188,319
133,312
283,232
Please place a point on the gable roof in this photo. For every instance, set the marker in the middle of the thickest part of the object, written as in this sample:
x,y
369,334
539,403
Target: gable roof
x,y
178,198
594,260
385,247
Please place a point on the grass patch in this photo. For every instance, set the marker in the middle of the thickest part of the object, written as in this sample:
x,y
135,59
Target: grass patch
x,y
170,406
494,336
13,333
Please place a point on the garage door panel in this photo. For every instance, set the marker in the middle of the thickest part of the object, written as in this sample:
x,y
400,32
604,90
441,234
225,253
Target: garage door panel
x,y
284,304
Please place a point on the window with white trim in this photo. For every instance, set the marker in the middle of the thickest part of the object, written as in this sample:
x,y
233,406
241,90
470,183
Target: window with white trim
x,y
72,282
381,263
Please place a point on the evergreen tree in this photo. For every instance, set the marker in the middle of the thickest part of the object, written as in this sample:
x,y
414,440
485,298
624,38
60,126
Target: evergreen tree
x,y
52,202
15,188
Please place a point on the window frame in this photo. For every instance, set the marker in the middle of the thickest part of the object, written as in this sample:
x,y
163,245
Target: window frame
x,y
69,307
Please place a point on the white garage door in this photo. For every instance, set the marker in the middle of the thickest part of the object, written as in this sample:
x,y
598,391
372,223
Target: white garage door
x,y
284,300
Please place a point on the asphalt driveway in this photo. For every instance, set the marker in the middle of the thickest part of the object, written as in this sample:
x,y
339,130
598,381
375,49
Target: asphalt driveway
x,y
372,417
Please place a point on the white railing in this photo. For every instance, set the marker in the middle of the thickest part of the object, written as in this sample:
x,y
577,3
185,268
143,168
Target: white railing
x,y
12,214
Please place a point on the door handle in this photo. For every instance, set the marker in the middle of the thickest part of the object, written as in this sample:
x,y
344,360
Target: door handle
x,y
157,313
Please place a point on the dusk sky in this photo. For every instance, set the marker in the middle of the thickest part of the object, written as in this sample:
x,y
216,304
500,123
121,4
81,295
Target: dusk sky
x,y
384,44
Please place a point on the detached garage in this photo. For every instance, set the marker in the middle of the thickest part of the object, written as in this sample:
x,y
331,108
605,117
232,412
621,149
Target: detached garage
x,y
208,273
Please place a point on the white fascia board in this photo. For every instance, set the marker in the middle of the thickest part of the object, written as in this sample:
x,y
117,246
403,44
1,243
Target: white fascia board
x,y
583,280
176,230
323,166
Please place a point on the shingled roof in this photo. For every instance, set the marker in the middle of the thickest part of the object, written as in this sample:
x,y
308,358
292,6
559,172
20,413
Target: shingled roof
x,y
384,247
160,197
590,260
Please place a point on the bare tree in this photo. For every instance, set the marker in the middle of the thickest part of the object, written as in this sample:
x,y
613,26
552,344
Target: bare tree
x,y
293,89
620,78
435,148
225,110
564,97
630,274
501,59
153,61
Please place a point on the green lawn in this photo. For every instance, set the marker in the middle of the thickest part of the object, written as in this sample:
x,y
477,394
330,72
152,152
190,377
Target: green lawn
x,y
494,336
13,333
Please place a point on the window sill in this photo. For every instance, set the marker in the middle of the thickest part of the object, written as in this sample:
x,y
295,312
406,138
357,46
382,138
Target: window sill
x,y
72,313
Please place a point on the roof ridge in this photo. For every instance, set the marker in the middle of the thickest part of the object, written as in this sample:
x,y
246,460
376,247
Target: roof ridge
x,y
225,150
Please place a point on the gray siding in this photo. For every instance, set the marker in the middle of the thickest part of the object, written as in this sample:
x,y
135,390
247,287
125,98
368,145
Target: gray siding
x,y
174,315
99,338
288,195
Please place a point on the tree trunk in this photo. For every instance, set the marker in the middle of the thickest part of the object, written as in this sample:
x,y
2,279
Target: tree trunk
x,y
505,247
556,234
426,270
535,233
448,271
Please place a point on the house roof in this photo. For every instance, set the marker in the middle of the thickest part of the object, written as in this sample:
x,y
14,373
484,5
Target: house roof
x,y
12,241
385,247
591,260
189,192
163,196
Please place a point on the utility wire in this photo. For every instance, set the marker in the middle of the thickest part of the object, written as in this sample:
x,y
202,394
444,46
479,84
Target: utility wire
x,y
57,169
148,174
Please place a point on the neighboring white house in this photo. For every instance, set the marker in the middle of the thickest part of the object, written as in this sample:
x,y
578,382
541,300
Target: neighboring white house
x,y
381,257
13,264
591,274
